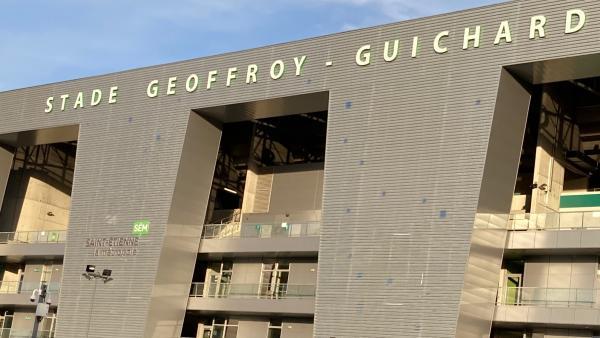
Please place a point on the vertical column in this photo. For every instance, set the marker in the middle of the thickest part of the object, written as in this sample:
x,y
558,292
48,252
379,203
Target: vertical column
x,y
186,217
495,198
548,174
6,160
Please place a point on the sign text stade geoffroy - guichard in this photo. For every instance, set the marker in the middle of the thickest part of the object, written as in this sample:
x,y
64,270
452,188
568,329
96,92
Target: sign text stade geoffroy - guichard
x,y
574,22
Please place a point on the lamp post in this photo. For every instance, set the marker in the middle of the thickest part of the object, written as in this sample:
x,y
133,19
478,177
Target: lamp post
x,y
90,273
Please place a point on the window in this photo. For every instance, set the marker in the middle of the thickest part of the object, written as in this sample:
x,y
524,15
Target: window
x,y
274,329
274,279
221,328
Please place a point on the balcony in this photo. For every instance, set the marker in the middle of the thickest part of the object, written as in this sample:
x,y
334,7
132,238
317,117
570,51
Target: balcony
x,y
267,299
548,306
234,238
564,233
47,244
19,293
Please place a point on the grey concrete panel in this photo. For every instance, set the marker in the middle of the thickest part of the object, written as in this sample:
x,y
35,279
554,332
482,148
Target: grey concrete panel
x,y
252,328
296,330
303,273
288,306
15,252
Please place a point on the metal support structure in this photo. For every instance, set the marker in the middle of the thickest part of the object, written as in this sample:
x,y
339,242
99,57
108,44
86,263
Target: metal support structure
x,y
42,307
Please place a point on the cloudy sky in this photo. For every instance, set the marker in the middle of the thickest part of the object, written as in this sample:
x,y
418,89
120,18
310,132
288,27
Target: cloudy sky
x,y
47,41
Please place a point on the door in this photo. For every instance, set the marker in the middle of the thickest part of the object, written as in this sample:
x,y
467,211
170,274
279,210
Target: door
x,y
512,289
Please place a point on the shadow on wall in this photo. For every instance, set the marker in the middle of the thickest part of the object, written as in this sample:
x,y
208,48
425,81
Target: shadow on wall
x,y
35,201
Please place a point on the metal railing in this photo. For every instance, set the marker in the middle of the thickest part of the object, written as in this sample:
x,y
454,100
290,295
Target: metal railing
x,y
549,297
17,287
259,291
45,236
278,230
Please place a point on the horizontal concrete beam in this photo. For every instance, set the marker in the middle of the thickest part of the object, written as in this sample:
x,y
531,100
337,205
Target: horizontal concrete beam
x,y
288,306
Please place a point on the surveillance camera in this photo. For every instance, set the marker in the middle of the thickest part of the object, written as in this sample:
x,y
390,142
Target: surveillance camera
x,y
34,295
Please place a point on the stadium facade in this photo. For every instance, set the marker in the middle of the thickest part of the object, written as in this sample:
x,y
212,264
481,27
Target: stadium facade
x,y
436,177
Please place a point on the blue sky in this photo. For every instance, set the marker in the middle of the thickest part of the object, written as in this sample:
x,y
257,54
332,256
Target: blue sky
x,y
47,41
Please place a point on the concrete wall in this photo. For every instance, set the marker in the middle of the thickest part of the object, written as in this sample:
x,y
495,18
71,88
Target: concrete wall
x,y
297,330
297,190
284,189
246,272
561,272
23,321
303,273
251,329
32,204
562,333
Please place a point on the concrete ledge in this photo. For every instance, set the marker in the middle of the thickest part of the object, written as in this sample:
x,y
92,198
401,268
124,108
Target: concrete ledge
x,y
297,245
575,239
15,252
572,316
22,299
288,306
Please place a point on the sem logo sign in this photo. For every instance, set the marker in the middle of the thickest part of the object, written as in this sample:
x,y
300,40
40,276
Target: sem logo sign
x,y
141,228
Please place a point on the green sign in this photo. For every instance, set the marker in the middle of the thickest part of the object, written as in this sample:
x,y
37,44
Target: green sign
x,y
141,228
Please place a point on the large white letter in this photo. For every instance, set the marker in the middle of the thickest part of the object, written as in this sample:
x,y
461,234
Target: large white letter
x,y
112,95
49,104
363,56
64,101
299,62
251,74
503,33
537,26
386,51
96,97
192,83
569,25
78,101
171,85
152,90
436,42
472,37
211,78
231,74
415,47
277,69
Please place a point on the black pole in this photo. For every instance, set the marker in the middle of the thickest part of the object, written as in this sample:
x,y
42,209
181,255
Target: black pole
x,y
38,319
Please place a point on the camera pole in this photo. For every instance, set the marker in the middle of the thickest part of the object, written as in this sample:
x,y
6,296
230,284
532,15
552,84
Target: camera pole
x,y
41,309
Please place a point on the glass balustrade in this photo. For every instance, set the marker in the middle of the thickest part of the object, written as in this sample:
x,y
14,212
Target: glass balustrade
x,y
278,230
23,237
549,297
260,291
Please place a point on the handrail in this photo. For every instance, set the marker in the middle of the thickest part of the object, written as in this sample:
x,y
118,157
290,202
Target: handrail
x,y
267,230
40,236
549,297
260,291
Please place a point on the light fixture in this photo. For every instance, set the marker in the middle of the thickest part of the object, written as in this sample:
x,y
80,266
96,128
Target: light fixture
x,y
231,191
